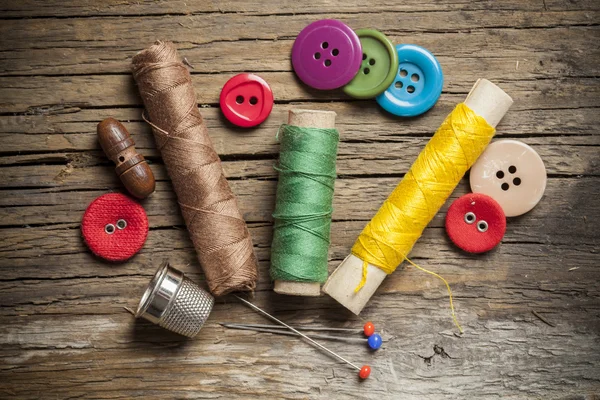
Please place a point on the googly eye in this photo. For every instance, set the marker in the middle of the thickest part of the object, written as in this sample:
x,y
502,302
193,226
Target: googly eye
x,y
121,224
470,218
482,226
109,228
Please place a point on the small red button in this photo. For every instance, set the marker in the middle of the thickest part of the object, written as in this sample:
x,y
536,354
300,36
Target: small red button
x,y
476,223
246,100
114,227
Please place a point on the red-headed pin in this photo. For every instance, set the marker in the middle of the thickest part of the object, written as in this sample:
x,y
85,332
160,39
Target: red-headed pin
x,y
369,328
365,371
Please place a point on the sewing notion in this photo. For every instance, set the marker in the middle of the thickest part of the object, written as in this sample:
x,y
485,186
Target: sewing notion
x,y
387,240
304,202
209,207
114,227
417,85
132,168
246,100
174,302
326,54
475,223
379,65
512,173
363,372
374,341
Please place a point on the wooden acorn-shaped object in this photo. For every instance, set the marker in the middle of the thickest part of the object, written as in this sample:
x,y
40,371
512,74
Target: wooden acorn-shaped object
x,y
132,168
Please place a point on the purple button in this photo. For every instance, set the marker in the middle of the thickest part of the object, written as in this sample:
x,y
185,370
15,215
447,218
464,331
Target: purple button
x,y
326,54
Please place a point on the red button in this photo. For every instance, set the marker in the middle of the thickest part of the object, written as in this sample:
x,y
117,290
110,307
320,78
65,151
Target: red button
x,y
114,227
246,100
475,223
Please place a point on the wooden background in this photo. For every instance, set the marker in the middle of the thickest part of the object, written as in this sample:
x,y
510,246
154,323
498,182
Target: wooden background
x,y
63,330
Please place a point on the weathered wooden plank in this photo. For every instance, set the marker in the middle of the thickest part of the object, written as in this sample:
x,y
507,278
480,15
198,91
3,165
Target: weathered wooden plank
x,y
253,146
533,244
538,56
542,231
200,29
492,289
218,360
27,93
56,132
487,294
256,198
61,129
528,251
55,8
82,171
63,331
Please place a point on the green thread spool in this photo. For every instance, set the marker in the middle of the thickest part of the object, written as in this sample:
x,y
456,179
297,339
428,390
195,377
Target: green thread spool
x,y
299,251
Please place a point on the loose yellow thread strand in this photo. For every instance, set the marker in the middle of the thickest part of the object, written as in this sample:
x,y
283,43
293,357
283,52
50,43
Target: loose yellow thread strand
x,y
364,278
390,236
447,287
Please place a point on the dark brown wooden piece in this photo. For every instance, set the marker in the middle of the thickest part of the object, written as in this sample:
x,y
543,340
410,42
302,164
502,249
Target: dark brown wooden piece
x,y
132,168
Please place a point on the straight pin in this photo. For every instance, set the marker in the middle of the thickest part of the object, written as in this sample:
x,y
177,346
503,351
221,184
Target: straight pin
x,y
300,328
364,372
282,330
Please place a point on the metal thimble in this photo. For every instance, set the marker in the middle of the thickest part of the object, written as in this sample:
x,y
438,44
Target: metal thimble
x,y
174,302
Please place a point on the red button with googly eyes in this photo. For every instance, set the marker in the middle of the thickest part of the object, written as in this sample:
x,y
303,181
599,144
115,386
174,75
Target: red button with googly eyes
x,y
114,227
476,223
246,100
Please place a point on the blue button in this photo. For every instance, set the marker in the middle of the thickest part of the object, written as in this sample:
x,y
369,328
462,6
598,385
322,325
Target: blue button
x,y
418,84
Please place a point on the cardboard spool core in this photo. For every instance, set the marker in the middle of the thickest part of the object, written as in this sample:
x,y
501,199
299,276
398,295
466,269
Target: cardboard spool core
x,y
306,119
486,100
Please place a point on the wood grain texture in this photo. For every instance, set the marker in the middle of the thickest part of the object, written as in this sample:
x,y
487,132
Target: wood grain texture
x,y
63,330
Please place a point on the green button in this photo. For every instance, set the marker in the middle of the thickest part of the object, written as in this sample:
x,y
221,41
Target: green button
x,y
379,65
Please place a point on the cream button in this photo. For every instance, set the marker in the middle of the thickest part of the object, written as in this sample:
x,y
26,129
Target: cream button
x,y
511,173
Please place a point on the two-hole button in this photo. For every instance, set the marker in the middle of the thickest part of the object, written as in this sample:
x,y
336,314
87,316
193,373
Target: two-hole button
x,y
114,227
476,223
246,100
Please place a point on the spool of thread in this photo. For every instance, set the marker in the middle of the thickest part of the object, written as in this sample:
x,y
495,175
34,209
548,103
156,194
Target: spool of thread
x,y
299,251
388,238
209,208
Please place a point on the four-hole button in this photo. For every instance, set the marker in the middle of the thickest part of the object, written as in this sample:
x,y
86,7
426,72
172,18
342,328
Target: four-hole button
x,y
326,54
378,68
417,85
512,173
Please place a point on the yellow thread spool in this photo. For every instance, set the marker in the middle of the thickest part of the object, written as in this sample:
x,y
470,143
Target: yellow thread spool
x,y
388,238
386,241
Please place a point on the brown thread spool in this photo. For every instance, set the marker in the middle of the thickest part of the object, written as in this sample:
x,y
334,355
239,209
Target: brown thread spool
x,y
208,206
132,168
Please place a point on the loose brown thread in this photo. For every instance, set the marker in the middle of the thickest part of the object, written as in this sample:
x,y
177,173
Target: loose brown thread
x,y
208,205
